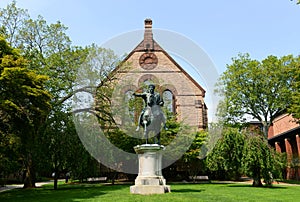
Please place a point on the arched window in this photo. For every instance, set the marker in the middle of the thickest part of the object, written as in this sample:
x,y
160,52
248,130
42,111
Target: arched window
x,y
169,100
146,83
129,100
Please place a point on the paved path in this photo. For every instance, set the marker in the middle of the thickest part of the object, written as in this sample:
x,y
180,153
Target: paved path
x,y
14,186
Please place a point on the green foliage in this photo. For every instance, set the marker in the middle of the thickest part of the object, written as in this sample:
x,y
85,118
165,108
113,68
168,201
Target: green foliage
x,y
294,108
9,145
260,89
191,161
173,128
48,51
261,161
195,148
22,97
226,156
123,141
12,20
237,153
24,104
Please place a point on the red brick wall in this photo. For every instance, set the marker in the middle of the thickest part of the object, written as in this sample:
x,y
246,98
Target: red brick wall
x,y
282,124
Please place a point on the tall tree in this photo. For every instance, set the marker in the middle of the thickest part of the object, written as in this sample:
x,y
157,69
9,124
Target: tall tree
x,y
48,51
62,150
24,104
257,89
12,20
294,108
47,48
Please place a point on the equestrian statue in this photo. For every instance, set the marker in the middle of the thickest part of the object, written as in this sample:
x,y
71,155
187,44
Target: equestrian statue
x,y
151,118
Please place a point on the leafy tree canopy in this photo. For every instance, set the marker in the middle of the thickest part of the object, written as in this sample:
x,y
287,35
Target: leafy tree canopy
x,y
294,108
261,161
259,89
24,102
227,154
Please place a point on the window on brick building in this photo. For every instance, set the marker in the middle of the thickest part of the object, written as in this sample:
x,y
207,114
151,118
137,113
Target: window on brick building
x,y
129,100
169,100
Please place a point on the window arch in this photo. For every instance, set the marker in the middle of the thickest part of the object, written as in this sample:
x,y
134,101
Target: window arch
x,y
145,79
169,100
128,102
129,99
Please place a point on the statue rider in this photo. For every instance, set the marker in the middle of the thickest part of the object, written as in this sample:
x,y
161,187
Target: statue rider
x,y
151,99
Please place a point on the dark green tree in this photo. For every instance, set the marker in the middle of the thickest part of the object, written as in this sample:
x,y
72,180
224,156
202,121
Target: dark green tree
x,y
24,105
191,160
226,157
48,51
261,161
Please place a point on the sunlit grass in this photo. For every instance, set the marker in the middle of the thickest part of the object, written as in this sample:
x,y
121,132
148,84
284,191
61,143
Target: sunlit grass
x,y
180,192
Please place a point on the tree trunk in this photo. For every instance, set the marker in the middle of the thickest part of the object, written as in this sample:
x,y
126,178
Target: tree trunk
x,y
256,179
55,182
266,129
29,181
257,182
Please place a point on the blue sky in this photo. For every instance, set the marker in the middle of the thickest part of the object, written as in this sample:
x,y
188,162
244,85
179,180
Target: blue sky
x,y
221,28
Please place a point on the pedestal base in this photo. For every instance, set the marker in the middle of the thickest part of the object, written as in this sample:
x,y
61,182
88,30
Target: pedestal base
x,y
149,179
149,189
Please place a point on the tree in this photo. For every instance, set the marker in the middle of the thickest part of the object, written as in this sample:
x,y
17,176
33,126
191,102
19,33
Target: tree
x,y
257,89
48,51
261,161
191,160
9,155
24,104
12,20
294,108
227,154
62,149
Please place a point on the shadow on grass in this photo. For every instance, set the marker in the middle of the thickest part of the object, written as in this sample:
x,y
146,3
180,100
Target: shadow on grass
x,y
187,190
65,193
103,187
250,185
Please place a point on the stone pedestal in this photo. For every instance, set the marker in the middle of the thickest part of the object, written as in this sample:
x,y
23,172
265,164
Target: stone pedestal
x,y
150,179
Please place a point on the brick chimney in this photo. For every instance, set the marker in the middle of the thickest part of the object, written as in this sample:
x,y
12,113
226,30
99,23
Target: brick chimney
x,y
148,36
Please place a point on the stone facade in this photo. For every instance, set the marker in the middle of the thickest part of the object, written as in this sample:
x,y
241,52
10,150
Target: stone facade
x,y
148,62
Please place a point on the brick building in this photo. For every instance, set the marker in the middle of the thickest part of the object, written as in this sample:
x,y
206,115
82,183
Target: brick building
x,y
150,63
284,137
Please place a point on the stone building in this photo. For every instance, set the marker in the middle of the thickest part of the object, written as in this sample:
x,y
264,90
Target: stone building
x,y
150,63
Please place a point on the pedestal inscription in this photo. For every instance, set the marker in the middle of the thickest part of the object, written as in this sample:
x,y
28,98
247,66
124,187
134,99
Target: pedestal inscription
x,y
150,179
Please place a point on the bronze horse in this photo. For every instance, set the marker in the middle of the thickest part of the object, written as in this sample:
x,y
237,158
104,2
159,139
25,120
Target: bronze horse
x,y
152,117
152,120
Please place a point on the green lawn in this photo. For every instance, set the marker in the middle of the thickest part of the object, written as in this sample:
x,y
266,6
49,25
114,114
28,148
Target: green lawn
x,y
180,192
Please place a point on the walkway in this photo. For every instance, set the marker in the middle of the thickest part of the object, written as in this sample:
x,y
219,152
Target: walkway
x,y
14,186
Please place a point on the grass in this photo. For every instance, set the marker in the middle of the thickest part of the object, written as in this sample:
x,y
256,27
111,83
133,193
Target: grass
x,y
179,192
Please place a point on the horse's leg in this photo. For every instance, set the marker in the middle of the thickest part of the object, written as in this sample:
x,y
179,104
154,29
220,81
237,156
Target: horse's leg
x,y
146,133
139,122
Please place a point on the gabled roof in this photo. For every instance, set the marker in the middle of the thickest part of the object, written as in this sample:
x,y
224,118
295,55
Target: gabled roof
x,y
148,44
